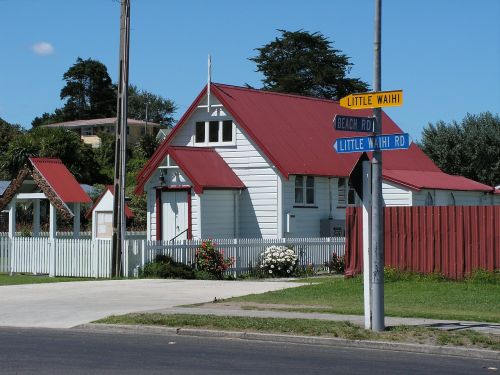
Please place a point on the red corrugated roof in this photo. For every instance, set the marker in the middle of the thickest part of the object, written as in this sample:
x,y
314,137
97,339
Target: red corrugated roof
x,y
128,212
295,133
60,179
433,180
205,168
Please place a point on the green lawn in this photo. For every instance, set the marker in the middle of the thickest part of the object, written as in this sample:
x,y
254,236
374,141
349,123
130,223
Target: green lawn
x,y
418,297
311,327
18,279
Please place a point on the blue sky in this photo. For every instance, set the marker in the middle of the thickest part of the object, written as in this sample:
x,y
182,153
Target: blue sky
x,y
444,54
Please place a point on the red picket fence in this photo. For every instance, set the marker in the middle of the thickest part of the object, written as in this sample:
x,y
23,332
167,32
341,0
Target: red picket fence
x,y
451,240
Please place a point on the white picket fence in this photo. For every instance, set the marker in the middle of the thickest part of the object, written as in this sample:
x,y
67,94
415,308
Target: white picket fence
x,y
140,235
58,257
314,252
92,258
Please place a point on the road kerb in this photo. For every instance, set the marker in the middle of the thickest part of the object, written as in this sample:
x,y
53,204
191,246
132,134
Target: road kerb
x,y
311,340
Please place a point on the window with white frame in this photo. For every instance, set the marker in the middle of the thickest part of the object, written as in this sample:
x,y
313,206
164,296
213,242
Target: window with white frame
x,y
304,190
214,132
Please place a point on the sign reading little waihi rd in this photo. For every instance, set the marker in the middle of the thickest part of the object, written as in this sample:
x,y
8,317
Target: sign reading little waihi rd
x,y
373,99
354,124
371,143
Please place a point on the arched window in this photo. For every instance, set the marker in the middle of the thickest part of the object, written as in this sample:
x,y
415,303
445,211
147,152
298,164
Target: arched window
x,y
428,200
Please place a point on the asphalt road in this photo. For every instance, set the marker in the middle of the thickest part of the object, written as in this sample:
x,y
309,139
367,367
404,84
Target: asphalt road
x,y
58,351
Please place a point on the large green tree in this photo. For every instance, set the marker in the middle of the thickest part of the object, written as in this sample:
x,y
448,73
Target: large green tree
x,y
305,63
89,91
470,148
159,109
8,132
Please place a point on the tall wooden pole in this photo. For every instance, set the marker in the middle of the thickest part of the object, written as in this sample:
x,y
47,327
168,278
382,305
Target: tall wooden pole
x,y
119,225
377,232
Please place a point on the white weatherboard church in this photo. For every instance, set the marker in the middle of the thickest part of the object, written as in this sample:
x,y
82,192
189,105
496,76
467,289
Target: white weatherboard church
x,y
245,163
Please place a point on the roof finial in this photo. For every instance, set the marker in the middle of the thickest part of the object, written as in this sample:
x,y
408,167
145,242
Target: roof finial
x,y
209,79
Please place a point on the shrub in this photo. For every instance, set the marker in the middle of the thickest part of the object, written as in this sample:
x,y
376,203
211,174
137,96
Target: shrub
x,y
395,274
211,261
336,264
164,267
278,261
481,276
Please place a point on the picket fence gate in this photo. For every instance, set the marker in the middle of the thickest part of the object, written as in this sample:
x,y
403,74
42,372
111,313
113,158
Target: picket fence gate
x,y
92,258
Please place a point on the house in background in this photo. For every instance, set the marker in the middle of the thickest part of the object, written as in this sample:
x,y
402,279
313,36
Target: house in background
x,y
248,163
89,130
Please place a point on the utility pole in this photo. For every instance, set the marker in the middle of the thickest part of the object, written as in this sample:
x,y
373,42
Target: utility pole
x,y
377,232
119,225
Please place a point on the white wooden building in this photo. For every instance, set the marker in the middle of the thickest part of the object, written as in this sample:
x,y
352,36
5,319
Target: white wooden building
x,y
102,214
248,163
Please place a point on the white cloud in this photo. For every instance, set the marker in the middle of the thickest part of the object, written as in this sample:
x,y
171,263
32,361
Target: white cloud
x,y
43,48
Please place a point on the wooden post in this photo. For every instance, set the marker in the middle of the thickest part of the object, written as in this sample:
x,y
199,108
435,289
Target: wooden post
x,y
76,220
36,217
52,237
12,218
52,222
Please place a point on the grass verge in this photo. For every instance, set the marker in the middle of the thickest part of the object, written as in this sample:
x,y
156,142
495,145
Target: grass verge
x,y
19,279
412,297
309,327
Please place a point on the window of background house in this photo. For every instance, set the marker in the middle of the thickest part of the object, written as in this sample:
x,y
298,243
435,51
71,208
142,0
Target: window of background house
x,y
309,190
87,131
299,189
200,132
304,190
428,200
341,192
452,199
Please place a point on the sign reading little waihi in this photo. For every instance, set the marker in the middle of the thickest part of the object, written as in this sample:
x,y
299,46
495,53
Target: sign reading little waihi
x,y
373,99
371,143
354,124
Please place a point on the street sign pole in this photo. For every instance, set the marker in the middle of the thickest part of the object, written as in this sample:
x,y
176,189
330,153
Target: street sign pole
x,y
377,243
367,223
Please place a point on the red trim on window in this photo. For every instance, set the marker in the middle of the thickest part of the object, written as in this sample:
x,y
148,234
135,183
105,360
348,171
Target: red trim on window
x,y
159,213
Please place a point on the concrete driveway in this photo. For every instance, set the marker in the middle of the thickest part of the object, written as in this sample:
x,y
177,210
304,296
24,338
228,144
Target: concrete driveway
x,y
65,305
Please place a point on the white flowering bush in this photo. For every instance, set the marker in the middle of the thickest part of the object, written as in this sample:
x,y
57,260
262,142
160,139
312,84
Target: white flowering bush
x,y
278,261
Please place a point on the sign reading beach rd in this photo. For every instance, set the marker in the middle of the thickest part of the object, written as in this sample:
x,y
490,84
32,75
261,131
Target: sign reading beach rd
x,y
354,124
371,143
373,99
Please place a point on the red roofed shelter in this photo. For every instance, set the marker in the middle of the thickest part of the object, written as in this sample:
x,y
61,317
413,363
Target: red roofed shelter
x,y
45,178
276,151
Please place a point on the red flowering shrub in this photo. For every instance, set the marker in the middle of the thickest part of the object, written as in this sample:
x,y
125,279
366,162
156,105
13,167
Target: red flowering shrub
x,y
210,260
